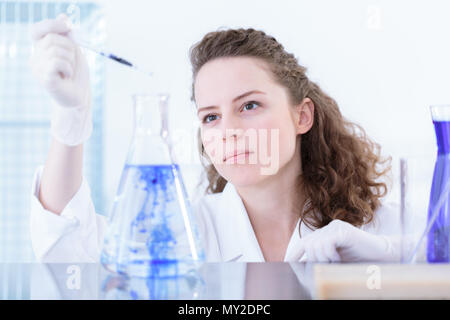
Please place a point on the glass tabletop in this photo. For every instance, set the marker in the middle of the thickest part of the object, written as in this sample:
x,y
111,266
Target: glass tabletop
x,y
212,281
229,281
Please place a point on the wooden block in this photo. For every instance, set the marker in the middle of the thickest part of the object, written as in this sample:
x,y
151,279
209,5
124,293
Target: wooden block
x,y
382,281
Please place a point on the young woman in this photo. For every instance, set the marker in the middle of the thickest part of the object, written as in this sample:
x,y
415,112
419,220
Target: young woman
x,y
318,200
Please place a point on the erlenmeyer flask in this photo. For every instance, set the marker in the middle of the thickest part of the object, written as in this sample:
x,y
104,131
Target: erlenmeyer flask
x,y
438,241
152,231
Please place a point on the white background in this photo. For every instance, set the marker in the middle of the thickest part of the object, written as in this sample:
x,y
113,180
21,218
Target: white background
x,y
385,63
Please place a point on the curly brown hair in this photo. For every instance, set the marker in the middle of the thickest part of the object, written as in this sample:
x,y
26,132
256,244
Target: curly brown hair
x,y
341,166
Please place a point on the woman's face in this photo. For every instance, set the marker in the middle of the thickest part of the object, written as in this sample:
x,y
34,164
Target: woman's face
x,y
248,127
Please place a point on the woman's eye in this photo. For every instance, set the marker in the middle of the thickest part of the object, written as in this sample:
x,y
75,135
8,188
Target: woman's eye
x,y
209,118
250,104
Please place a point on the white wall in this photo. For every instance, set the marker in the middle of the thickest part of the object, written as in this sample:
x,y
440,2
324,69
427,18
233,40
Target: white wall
x,y
385,62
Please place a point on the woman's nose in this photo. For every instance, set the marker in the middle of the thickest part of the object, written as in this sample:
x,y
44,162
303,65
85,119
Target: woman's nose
x,y
231,129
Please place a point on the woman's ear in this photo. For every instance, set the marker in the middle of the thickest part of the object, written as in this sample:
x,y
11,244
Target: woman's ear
x,y
305,116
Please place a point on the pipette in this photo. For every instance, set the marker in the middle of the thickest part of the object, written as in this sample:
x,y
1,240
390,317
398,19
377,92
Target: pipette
x,y
108,55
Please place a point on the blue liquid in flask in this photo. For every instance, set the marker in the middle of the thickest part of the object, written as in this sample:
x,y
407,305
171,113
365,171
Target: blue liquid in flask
x,y
152,232
438,238
154,236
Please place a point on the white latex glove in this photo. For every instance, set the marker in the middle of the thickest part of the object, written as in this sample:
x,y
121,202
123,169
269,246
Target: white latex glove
x,y
341,241
59,65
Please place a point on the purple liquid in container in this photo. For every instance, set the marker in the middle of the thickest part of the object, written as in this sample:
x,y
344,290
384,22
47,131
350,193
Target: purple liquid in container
x,y
438,239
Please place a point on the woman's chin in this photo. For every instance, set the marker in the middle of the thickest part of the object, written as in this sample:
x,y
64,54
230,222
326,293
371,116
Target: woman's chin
x,y
241,174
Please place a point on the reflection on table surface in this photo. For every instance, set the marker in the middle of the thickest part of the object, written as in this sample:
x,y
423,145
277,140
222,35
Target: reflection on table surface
x,y
235,281
210,281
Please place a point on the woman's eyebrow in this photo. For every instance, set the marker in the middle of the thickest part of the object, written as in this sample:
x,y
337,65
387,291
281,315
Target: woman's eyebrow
x,y
234,100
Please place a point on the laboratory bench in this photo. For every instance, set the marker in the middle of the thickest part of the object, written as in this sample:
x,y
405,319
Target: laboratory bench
x,y
229,281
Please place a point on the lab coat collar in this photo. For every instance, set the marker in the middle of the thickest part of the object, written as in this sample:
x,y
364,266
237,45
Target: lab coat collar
x,y
243,245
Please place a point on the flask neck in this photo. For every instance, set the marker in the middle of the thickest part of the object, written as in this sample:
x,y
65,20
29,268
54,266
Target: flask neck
x,y
150,114
150,144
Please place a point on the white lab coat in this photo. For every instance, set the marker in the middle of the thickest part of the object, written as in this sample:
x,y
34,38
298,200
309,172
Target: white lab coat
x,y
76,235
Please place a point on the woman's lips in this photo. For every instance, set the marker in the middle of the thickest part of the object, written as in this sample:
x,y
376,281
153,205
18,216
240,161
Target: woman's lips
x,y
236,156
